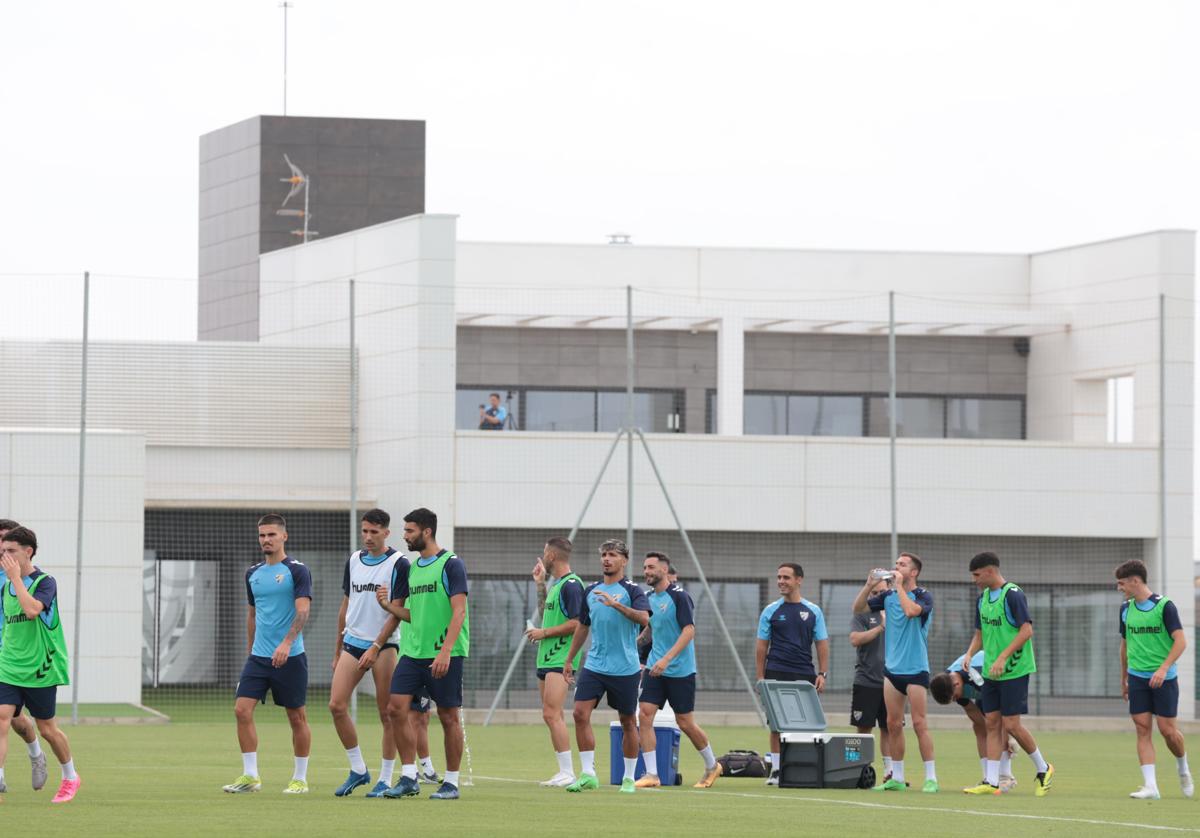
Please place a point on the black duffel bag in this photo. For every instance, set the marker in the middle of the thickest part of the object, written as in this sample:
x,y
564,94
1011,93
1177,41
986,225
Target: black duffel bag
x,y
743,764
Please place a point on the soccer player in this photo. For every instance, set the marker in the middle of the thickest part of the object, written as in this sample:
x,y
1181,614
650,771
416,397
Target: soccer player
x,y
1152,639
1004,630
21,724
961,685
787,631
33,659
279,596
908,609
670,674
614,611
560,605
867,709
432,599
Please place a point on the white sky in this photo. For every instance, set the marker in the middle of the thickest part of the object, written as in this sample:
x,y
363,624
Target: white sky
x,y
1003,126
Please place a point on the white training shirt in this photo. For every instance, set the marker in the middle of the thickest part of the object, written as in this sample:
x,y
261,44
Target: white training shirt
x,y
364,574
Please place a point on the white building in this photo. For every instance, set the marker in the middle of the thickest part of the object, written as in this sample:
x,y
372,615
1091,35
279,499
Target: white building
x,y
1029,412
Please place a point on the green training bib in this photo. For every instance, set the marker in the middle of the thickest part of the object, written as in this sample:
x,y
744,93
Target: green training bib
x,y
1147,641
34,654
552,652
429,604
998,633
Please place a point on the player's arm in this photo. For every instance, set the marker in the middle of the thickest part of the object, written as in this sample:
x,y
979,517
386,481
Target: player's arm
x,y
860,600
910,606
760,658
822,663
975,645
539,579
862,638
1124,671
634,615
303,604
582,630
341,630
30,606
367,659
1178,644
686,635
458,615
249,628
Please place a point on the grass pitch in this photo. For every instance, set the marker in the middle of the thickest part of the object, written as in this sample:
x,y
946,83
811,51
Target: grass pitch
x,y
157,780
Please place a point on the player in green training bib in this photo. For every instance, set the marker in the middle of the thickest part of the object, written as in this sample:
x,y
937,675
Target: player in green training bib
x,y
33,659
1152,640
560,607
430,598
1004,630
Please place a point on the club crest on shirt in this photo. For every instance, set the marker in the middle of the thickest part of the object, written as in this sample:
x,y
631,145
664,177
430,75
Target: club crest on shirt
x,y
662,607
279,578
803,616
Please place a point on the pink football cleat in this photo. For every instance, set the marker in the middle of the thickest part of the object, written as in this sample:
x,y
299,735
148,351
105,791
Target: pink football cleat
x,y
67,790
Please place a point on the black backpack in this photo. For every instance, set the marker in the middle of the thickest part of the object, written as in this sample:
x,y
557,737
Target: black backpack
x,y
743,764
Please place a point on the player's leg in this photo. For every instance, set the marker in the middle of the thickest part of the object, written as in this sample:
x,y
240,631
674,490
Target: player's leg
x,y
346,676
918,697
588,690
623,697
1166,708
381,672
979,728
446,693
407,681
652,699
252,687
1014,703
7,711
422,709
553,688
893,700
41,703
289,689
26,729
688,726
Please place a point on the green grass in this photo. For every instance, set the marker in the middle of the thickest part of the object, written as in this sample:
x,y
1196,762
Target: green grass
x,y
159,780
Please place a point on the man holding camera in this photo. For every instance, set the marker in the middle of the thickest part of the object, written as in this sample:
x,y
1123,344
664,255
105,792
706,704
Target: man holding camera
x,y
493,417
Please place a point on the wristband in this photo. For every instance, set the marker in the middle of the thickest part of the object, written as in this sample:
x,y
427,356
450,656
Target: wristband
x,y
822,674
375,644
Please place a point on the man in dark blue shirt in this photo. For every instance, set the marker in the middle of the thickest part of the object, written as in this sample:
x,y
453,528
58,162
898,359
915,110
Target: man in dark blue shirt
x,y
787,630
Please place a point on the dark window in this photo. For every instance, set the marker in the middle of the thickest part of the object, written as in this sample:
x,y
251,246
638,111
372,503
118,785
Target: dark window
x,y
985,418
825,415
560,410
916,416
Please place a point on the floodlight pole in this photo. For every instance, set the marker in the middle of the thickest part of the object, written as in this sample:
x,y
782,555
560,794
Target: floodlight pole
x,y
83,382
895,542
353,439
1162,441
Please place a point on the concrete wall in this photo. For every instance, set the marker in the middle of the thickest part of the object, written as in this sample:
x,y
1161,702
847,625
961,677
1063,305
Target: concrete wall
x,y
38,487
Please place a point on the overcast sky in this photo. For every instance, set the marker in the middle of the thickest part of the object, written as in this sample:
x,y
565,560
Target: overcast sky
x,y
1003,126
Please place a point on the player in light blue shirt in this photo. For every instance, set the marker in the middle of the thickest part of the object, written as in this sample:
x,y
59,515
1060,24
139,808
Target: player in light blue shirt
x,y
670,674
614,611
909,608
279,596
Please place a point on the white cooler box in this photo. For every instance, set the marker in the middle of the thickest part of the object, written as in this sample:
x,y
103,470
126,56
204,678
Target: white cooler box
x,y
810,757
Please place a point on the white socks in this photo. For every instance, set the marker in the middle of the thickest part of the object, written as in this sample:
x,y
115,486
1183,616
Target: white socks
x,y
35,751
1148,778
898,770
1038,761
775,766
386,767
587,762
1006,763
651,760
630,767
357,765
991,774
250,764
409,771
930,772
709,760
983,767
427,765
1181,764
887,766
452,778
301,771
68,770
564,762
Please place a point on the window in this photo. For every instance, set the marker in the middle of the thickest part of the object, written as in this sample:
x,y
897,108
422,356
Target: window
x,y
1120,409
916,416
764,413
537,409
825,415
468,400
560,410
653,412
968,418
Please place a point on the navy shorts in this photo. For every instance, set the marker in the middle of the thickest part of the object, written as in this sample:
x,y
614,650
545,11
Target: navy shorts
x,y
1010,697
543,671
40,701
1162,702
866,706
680,692
622,690
784,675
414,676
903,682
288,684
358,653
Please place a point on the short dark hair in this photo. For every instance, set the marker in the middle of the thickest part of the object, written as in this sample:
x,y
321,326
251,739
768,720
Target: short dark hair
x,y
377,517
8,524
497,395
941,687
424,519
799,571
662,557
982,560
1133,567
273,519
560,544
915,560
614,545
23,536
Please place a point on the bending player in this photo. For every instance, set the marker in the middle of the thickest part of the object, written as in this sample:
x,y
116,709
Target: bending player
x,y
33,659
279,591
1152,639
961,685
20,723
560,606
670,674
908,609
614,611
1004,630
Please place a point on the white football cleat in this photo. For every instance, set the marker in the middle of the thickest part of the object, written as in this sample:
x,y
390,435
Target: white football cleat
x,y
1185,783
558,781
1145,793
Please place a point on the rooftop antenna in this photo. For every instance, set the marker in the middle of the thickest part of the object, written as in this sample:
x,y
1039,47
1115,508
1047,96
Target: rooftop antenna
x,y
620,238
298,181
285,5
